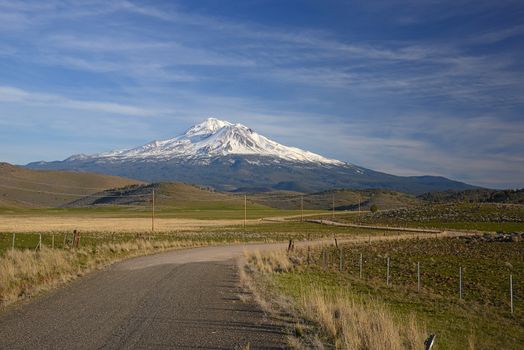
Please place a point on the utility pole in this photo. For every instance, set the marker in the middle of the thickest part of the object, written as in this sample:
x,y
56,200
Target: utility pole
x,y
301,208
245,210
153,212
333,204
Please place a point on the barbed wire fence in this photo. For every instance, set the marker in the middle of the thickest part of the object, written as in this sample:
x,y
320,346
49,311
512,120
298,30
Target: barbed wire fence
x,y
412,273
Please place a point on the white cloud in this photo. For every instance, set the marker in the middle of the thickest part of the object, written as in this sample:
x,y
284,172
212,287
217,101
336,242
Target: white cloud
x,y
12,94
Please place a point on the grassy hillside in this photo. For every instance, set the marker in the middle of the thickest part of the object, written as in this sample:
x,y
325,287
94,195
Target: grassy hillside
x,y
21,187
168,195
345,199
174,199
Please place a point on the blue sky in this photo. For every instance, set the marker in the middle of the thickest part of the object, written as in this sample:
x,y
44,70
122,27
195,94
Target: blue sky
x,y
407,87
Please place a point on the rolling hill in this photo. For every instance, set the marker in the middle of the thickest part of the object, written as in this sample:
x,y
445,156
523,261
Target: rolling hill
x,y
22,187
168,195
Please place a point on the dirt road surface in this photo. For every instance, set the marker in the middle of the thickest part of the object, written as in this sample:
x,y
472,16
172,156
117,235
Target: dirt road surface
x,y
187,299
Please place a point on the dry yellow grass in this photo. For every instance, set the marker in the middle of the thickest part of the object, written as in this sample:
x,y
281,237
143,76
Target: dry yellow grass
x,y
88,224
23,273
271,261
356,326
348,323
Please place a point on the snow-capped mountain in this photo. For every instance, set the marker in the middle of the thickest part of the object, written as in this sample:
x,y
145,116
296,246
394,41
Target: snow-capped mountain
x,y
233,157
212,138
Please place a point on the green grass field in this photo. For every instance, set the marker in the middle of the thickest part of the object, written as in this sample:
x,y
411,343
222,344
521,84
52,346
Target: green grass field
x,y
483,315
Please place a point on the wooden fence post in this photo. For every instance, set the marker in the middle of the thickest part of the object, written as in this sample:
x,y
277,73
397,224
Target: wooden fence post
x,y
76,239
13,243
360,273
511,291
387,274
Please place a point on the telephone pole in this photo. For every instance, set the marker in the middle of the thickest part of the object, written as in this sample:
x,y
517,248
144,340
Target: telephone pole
x,y
245,210
301,208
333,215
153,211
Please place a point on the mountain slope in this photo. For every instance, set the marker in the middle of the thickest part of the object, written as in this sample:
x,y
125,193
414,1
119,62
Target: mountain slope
x,y
233,157
22,187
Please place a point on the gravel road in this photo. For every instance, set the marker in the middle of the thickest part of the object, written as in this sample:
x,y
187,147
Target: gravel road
x,y
185,299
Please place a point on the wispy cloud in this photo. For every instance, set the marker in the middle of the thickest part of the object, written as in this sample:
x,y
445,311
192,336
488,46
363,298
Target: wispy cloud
x,y
494,36
304,57
11,94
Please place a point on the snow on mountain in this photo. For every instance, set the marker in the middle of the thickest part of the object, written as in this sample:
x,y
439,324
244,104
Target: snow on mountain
x,y
232,157
213,138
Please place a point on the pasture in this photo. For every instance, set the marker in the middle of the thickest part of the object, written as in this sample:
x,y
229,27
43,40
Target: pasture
x,y
480,319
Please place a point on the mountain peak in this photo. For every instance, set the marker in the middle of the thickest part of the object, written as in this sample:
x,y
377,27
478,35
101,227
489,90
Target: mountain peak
x,y
214,138
207,127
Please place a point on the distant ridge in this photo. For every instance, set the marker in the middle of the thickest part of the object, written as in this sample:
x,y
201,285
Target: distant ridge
x,y
480,195
230,157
